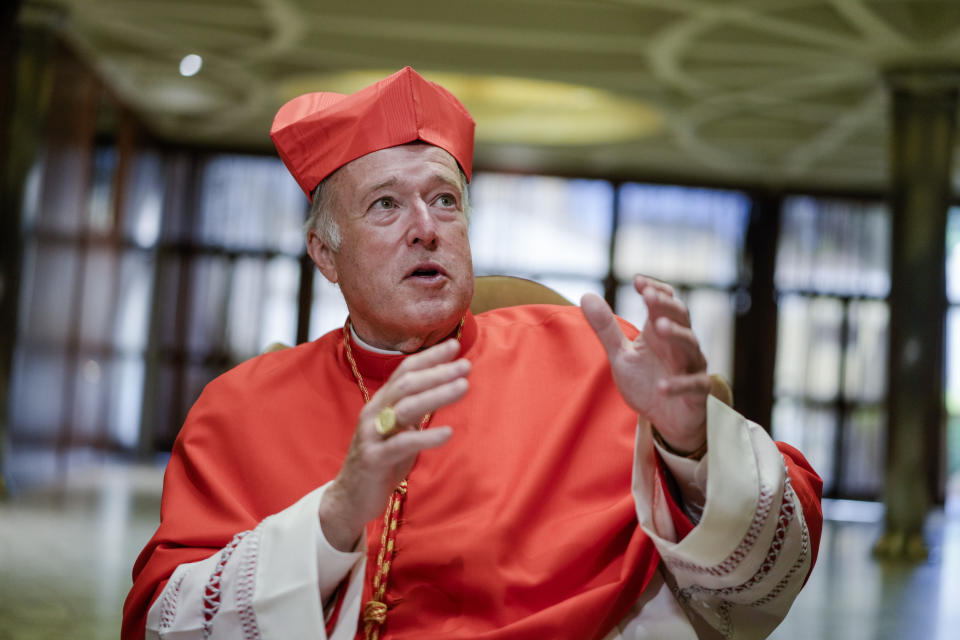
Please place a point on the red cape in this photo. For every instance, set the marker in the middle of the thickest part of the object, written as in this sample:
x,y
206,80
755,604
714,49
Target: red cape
x,y
521,526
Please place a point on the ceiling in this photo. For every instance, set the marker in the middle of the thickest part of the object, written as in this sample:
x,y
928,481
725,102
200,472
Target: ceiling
x,y
775,92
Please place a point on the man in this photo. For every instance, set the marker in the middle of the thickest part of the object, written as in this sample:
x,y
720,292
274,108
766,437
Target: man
x,y
425,473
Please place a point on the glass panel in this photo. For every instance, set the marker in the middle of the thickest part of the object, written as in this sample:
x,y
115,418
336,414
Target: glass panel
x,y
97,304
279,306
126,396
262,306
808,347
953,464
245,309
680,234
537,225
834,246
630,306
953,255
866,360
143,199
208,304
133,301
711,314
329,309
573,288
790,375
66,170
863,452
953,407
809,429
48,291
178,220
36,392
250,202
953,361
91,388
100,204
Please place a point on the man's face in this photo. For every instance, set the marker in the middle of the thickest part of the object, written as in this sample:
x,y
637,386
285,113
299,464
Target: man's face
x,y
404,262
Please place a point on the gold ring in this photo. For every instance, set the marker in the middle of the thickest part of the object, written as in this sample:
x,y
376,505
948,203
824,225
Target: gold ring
x,y
386,421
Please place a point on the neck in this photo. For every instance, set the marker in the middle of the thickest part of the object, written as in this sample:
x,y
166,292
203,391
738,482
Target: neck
x,y
407,344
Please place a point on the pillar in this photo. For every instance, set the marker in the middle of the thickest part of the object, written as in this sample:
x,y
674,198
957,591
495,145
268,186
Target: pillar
x,y
25,82
923,116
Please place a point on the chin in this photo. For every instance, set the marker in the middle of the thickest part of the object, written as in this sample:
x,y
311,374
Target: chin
x,y
437,315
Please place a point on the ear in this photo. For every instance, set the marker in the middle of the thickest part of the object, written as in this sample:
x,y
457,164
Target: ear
x,y
322,255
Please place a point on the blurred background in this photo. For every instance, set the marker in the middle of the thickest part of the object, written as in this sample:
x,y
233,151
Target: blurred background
x,y
786,165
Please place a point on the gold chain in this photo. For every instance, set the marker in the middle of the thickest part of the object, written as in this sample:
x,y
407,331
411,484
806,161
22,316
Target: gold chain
x,y
375,610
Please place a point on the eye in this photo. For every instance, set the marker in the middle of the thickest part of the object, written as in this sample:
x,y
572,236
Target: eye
x,y
385,202
446,200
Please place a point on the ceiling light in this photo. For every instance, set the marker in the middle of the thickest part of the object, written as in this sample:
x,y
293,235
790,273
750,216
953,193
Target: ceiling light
x,y
190,65
520,110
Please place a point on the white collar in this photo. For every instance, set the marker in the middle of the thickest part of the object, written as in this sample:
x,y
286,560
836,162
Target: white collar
x,y
368,347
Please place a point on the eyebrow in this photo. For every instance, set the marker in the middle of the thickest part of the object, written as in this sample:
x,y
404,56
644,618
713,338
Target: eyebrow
x,y
389,182
435,177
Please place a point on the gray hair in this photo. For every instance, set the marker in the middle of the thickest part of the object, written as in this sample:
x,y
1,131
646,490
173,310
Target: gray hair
x,y
321,218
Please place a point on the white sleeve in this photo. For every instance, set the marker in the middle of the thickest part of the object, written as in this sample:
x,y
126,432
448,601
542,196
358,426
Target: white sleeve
x,y
268,583
691,477
742,565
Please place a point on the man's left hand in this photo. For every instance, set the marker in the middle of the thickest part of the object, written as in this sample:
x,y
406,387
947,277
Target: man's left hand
x,y
662,373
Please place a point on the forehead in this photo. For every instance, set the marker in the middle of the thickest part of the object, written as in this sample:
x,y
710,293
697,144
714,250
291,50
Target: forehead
x,y
405,163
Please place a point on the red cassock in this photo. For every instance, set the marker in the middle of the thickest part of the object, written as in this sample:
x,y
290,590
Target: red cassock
x,y
521,526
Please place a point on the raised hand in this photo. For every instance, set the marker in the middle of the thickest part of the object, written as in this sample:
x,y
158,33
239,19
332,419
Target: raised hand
x,y
374,465
662,373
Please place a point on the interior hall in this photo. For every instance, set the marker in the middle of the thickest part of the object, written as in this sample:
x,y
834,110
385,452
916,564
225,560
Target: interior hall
x,y
788,166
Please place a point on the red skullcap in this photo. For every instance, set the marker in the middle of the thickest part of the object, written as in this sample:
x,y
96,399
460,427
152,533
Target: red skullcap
x,y
317,133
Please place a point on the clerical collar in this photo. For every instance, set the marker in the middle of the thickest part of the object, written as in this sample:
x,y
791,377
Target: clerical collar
x,y
376,364
360,343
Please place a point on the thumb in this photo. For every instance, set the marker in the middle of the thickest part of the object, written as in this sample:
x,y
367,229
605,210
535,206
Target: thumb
x,y
604,324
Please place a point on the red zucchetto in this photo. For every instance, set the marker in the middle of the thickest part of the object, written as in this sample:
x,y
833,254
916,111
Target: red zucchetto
x,y
317,133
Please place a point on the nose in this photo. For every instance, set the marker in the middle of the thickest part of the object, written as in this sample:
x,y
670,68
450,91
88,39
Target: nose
x,y
423,226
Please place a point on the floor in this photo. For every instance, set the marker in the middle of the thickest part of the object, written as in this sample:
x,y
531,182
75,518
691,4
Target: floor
x,y
66,553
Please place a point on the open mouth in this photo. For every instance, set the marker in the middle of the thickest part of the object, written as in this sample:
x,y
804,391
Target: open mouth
x,y
427,271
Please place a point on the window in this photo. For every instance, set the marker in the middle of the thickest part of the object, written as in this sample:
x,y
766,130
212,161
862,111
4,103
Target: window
x,y
832,276
693,239
953,355
553,230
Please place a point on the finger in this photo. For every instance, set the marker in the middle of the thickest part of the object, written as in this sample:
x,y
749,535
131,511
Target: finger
x,y
406,444
601,319
411,409
693,384
413,382
442,352
642,282
679,337
660,304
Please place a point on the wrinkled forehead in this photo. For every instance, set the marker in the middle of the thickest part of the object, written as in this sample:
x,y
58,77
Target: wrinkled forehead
x,y
410,164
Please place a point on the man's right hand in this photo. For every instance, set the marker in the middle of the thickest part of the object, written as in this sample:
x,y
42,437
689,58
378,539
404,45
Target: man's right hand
x,y
375,465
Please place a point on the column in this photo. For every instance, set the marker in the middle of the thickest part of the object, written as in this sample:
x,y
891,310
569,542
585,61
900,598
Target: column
x,y
923,116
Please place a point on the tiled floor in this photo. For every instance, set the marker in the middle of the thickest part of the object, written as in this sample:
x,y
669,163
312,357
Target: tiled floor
x,y
66,553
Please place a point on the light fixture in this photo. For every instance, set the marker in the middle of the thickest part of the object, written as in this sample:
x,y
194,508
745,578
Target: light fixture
x,y
519,110
190,65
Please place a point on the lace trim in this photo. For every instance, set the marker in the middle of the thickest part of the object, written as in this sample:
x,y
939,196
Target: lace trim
x,y
211,592
794,568
246,583
168,603
787,512
742,550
